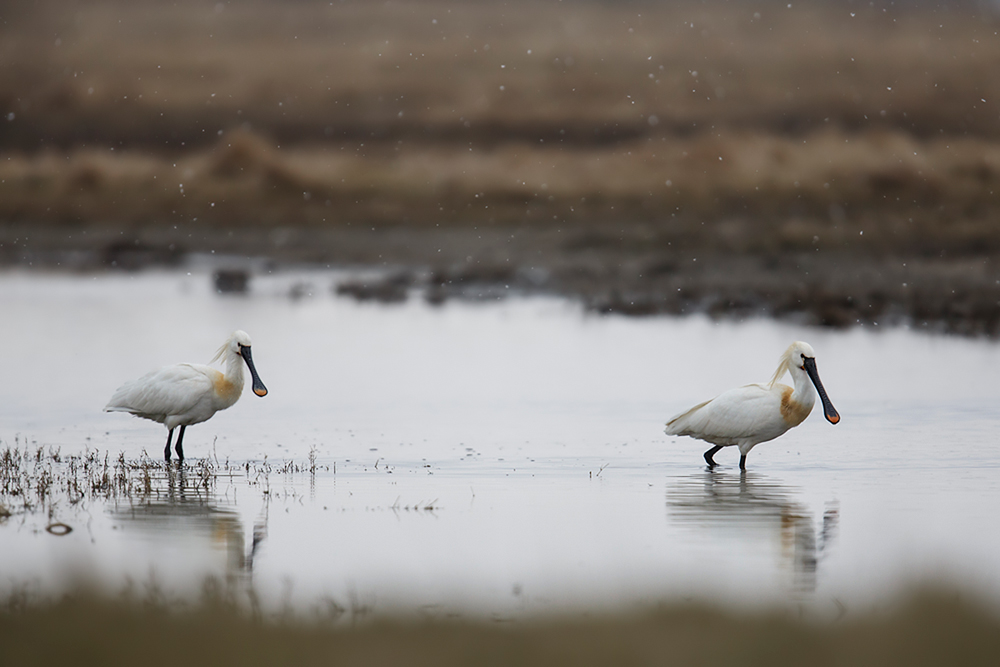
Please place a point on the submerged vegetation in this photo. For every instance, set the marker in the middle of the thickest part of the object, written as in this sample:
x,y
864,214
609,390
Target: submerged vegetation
x,y
36,480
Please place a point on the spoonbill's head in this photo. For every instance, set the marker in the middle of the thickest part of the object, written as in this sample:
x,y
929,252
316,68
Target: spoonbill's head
x,y
799,351
238,340
801,355
239,344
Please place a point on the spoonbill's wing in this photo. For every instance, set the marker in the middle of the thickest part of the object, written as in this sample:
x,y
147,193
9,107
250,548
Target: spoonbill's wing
x,y
169,391
731,417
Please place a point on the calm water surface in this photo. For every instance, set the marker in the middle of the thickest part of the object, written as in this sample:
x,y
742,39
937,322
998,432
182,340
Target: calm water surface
x,y
492,458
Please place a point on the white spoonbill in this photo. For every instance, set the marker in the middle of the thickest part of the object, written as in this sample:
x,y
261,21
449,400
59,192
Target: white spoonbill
x,y
757,413
186,394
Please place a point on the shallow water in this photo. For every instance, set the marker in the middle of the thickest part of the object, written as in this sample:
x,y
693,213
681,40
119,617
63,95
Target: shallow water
x,y
492,458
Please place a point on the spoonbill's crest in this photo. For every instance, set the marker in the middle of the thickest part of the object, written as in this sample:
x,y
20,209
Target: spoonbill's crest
x,y
186,394
756,413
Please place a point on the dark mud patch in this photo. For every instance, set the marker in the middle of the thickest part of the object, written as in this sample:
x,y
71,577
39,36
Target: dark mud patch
x,y
231,281
393,288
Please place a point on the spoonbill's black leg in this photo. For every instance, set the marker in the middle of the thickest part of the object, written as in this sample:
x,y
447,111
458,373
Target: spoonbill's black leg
x,y
166,451
743,462
179,448
709,454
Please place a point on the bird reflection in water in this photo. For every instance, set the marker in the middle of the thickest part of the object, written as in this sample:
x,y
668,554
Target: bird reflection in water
x,y
748,507
184,504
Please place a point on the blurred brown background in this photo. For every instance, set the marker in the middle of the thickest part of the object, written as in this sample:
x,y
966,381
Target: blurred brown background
x,y
832,162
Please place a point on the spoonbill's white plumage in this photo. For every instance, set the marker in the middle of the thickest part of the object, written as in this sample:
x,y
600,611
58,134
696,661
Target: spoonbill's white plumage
x,y
756,413
186,394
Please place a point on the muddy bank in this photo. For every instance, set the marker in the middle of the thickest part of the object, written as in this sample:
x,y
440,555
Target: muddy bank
x,y
630,270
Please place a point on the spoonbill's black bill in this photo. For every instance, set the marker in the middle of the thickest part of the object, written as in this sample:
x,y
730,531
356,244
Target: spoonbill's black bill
x,y
258,386
830,412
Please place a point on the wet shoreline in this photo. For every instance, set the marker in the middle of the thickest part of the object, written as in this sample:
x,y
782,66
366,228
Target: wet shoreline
x,y
606,267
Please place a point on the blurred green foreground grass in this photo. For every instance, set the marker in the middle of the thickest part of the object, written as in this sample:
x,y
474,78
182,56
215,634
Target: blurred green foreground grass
x,y
86,629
